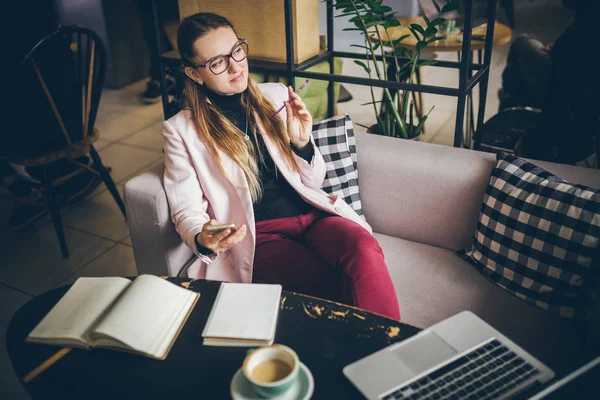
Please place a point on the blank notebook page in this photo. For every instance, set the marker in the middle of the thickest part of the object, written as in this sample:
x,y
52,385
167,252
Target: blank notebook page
x,y
244,311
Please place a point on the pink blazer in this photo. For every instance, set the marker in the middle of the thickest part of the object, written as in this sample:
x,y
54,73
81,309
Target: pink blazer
x,y
197,191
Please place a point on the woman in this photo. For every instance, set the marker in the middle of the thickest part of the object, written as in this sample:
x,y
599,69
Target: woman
x,y
227,159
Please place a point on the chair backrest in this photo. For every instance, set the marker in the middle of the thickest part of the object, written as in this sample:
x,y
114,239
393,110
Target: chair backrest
x,y
61,79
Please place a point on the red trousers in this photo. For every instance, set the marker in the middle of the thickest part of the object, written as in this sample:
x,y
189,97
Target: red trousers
x,y
325,256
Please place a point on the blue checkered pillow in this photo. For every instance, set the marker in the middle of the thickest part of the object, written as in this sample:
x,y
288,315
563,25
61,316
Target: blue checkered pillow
x,y
335,139
538,237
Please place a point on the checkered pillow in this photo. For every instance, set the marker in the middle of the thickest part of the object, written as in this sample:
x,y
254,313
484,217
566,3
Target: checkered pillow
x,y
335,139
538,237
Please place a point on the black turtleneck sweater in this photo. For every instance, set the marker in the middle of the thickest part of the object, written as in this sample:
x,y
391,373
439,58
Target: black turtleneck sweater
x,y
279,199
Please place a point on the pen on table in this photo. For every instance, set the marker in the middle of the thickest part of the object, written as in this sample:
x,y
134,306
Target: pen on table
x,y
46,364
297,91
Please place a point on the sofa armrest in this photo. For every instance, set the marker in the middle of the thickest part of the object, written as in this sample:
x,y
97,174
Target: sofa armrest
x,y
157,247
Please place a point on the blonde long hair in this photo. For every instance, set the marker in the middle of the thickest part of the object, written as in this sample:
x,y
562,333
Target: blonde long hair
x,y
218,131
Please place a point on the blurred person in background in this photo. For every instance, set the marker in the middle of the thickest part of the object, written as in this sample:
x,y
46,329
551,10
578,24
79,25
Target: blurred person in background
x,y
559,79
166,10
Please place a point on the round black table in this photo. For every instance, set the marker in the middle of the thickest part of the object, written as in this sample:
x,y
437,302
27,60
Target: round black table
x,y
326,335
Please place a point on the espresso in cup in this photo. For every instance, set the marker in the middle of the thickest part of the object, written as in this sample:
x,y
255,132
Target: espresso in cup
x,y
271,370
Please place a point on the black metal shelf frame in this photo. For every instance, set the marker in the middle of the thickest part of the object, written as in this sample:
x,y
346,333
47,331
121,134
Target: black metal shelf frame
x,y
465,66
467,81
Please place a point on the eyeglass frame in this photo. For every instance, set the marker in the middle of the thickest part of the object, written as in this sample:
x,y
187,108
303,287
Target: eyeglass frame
x,y
226,56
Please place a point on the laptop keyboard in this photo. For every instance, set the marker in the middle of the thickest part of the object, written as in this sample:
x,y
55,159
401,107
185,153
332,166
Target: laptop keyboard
x,y
488,372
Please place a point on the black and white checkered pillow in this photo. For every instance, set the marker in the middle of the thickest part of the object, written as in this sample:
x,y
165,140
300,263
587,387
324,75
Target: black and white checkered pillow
x,y
538,237
335,139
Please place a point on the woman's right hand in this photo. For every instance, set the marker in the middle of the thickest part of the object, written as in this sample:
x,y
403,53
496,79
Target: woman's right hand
x,y
218,242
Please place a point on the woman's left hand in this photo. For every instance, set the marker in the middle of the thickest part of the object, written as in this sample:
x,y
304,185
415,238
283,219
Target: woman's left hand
x,y
299,120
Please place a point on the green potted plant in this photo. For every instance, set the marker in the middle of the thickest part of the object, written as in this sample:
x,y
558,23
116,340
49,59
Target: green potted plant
x,y
395,115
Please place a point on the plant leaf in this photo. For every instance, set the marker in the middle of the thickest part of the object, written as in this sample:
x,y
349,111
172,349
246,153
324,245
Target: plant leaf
x,y
403,68
437,21
437,7
414,33
401,38
360,46
418,28
427,63
344,15
355,7
372,23
339,5
379,9
450,6
358,24
381,126
435,39
372,102
430,32
422,121
351,29
362,64
370,17
392,23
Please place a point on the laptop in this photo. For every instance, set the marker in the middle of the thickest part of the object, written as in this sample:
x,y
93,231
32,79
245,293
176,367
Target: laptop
x,y
577,384
459,357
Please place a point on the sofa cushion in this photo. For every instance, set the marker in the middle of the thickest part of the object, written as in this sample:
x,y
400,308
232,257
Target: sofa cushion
x,y
335,139
433,284
538,236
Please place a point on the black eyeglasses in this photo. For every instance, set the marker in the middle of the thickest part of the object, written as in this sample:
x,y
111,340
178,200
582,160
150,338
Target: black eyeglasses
x,y
220,64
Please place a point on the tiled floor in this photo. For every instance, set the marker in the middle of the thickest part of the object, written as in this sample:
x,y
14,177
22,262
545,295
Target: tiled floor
x,y
97,235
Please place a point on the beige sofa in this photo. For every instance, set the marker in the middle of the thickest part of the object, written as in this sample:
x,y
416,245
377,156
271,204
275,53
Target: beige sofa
x,y
423,202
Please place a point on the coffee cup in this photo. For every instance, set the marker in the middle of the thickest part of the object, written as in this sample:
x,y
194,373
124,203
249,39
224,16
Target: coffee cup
x,y
271,370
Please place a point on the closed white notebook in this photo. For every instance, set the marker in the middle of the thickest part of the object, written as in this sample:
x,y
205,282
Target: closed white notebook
x,y
243,314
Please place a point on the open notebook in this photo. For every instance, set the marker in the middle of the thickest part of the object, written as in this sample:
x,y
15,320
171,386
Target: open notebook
x,y
143,316
243,314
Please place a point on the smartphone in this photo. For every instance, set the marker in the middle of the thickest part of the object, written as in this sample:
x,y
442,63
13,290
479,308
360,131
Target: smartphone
x,y
219,228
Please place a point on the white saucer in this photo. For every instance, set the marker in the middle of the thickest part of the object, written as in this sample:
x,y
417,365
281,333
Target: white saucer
x,y
302,389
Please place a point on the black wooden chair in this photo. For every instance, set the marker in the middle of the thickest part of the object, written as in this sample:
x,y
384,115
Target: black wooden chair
x,y
61,82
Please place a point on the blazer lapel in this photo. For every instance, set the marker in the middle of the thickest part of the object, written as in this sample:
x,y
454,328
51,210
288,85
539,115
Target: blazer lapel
x,y
234,173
